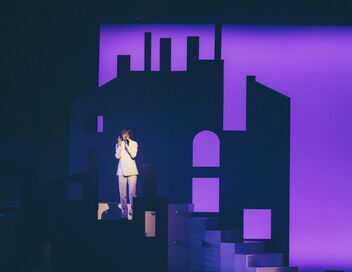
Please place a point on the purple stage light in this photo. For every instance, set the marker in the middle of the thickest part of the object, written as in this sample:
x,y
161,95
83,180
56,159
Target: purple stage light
x,y
257,224
205,194
100,123
206,149
311,65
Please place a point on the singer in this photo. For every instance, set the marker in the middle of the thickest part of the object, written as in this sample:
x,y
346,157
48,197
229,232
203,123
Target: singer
x,y
126,152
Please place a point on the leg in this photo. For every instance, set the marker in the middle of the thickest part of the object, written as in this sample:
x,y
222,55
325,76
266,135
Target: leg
x,y
132,187
123,195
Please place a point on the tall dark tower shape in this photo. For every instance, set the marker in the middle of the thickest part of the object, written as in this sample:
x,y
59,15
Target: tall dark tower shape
x,y
256,164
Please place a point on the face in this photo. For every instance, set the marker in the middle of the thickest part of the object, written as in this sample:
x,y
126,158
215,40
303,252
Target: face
x,y
125,135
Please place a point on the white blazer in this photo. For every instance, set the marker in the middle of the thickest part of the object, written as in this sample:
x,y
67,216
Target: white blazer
x,y
126,155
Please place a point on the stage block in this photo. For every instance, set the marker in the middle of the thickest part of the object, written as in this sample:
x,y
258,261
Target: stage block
x,y
257,224
205,194
149,219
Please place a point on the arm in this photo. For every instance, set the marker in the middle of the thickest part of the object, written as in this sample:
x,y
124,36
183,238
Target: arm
x,y
118,151
132,149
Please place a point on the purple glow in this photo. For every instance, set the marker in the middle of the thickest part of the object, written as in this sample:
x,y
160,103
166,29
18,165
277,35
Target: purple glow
x,y
100,123
312,65
256,224
205,194
206,149
129,40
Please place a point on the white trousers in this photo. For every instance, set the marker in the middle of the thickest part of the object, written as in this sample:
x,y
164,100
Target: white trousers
x,y
132,185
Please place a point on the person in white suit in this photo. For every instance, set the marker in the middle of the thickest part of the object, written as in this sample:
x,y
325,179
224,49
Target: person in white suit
x,y
126,151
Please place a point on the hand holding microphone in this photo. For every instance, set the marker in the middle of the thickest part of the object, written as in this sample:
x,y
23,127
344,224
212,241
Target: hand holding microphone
x,y
119,141
123,139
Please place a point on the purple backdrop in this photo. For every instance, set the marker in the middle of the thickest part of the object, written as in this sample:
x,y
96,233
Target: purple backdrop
x,y
313,66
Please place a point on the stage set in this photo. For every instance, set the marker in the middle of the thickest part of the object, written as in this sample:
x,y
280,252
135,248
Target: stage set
x,y
244,152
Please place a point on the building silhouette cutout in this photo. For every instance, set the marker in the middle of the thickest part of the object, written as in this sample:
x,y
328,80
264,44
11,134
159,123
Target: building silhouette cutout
x,y
166,109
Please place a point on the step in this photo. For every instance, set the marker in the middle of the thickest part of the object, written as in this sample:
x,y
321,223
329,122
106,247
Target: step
x,y
249,263
265,259
214,252
220,256
228,251
277,269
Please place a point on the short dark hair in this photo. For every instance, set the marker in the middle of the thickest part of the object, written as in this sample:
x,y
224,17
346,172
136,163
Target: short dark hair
x,y
126,130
